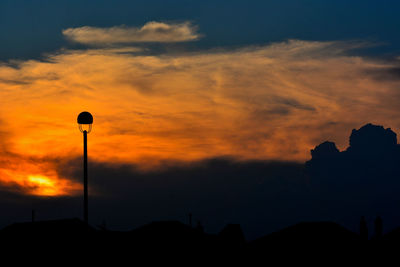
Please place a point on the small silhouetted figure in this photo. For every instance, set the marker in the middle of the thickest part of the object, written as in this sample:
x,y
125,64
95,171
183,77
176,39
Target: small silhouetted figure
x,y
378,228
33,215
363,229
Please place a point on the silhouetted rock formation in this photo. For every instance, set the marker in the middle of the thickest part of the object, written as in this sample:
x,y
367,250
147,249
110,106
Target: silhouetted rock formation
x,y
371,162
362,179
326,150
369,141
372,140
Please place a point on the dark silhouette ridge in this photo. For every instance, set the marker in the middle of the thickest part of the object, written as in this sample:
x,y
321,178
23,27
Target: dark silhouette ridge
x,y
232,236
308,242
312,233
200,227
176,241
170,236
378,228
393,237
363,229
33,215
45,228
190,219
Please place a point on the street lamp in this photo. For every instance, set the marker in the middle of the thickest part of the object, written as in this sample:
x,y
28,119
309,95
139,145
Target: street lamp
x,y
85,121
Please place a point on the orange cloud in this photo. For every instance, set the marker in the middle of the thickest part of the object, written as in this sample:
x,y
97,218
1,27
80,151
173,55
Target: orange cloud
x,y
34,176
271,102
150,32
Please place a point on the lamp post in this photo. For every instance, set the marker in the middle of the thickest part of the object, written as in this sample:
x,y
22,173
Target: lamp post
x,y
85,121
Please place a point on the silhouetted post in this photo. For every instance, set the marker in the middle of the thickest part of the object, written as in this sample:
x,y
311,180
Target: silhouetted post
x,y
378,228
363,229
85,179
85,121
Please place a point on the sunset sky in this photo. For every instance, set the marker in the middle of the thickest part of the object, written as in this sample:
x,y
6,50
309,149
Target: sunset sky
x,y
178,82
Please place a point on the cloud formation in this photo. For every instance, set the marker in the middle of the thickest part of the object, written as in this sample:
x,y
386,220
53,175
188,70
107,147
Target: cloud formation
x,y
272,102
153,31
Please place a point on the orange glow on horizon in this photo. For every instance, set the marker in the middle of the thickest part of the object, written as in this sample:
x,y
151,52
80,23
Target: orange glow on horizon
x,y
47,183
274,102
45,186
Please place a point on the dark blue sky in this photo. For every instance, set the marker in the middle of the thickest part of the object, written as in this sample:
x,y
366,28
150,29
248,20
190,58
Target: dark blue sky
x,y
32,27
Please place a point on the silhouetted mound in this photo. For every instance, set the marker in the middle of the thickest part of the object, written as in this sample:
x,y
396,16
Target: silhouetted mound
x,y
170,235
372,139
165,230
72,237
310,234
55,237
232,236
52,228
309,242
325,150
393,237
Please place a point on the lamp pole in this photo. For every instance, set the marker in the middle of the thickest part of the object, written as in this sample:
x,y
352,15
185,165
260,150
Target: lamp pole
x,y
85,180
85,121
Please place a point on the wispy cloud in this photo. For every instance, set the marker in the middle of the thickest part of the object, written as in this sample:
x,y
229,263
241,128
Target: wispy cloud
x,y
272,102
150,32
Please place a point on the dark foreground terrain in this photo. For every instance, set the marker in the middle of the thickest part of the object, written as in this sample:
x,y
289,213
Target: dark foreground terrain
x,y
70,240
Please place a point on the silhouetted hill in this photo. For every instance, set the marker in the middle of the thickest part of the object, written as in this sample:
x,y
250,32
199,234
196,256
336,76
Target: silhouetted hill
x,y
67,239
49,228
308,233
393,237
170,234
72,237
232,236
173,241
319,243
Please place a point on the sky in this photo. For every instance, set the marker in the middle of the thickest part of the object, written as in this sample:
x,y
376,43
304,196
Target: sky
x,y
175,83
